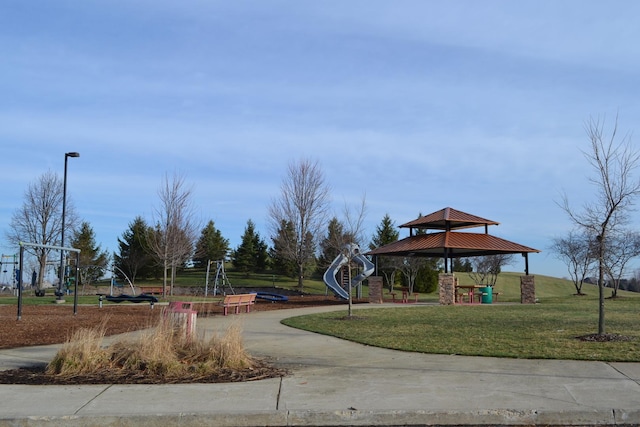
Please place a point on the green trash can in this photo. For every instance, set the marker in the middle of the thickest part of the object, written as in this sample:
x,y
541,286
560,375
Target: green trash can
x,y
487,295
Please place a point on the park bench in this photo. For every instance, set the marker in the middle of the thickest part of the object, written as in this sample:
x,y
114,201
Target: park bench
x,y
151,290
237,301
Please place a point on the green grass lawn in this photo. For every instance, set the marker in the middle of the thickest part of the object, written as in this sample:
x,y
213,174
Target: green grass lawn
x,y
546,330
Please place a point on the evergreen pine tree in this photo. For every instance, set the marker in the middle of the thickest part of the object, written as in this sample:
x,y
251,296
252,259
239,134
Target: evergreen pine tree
x,y
332,244
211,246
133,258
251,255
93,260
387,266
281,263
385,233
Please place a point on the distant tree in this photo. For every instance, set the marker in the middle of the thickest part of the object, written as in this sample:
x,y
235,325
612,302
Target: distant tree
x,y
353,223
280,263
634,283
39,219
622,247
426,280
413,266
410,267
134,257
386,233
578,252
303,202
616,189
251,255
462,265
93,260
333,243
174,234
211,246
487,268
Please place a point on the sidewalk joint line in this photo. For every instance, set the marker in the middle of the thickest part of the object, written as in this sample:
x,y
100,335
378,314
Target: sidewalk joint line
x,y
279,394
92,399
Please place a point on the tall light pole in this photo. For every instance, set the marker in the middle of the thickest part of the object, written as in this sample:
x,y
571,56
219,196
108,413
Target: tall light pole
x,y
64,206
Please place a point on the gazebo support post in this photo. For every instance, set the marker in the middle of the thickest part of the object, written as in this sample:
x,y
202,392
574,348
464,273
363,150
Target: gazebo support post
x,y
527,289
446,289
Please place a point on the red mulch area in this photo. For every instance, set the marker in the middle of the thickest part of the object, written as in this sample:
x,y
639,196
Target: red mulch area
x,y
54,324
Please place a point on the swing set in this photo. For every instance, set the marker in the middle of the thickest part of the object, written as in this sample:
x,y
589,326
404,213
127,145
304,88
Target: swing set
x,y
9,278
23,245
221,280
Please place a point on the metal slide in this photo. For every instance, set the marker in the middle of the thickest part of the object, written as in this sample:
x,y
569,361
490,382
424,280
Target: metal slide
x,y
353,252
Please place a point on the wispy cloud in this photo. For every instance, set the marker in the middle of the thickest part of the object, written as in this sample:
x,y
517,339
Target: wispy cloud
x,y
420,105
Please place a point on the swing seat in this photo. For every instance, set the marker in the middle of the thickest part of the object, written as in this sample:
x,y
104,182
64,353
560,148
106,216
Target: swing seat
x,y
131,298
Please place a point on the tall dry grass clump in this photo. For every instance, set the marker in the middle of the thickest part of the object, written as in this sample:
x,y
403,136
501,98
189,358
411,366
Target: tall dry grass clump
x,y
81,354
162,351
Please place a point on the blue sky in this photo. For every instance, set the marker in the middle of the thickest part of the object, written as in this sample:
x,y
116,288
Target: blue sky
x,y
418,105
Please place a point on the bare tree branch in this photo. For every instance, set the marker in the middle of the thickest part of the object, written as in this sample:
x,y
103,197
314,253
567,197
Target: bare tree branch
x,y
303,205
175,232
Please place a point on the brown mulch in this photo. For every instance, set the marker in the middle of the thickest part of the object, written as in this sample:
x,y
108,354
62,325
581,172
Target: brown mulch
x,y
54,324
604,337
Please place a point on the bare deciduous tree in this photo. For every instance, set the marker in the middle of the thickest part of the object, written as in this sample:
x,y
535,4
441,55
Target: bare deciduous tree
x,y
175,232
303,203
613,164
622,247
410,267
578,252
486,268
39,219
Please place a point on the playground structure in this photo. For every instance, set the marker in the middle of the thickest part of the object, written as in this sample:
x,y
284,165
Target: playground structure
x,y
221,281
114,283
9,269
62,249
342,265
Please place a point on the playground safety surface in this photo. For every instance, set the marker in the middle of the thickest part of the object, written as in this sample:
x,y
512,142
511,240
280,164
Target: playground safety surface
x,y
54,324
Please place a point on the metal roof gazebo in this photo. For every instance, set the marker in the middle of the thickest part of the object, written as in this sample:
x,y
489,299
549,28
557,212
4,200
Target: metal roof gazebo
x,y
449,244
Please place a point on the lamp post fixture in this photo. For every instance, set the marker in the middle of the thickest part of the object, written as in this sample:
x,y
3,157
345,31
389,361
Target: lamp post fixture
x,y
64,206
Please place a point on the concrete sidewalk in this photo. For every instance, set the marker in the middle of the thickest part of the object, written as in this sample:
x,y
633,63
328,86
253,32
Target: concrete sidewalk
x,y
338,383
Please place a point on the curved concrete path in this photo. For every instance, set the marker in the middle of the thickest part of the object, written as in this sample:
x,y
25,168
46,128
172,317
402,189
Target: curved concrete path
x,y
337,383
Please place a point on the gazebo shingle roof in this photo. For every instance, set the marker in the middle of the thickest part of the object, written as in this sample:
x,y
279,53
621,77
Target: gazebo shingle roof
x,y
457,244
449,244
448,219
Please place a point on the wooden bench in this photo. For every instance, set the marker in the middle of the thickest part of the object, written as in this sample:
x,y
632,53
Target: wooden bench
x,y
237,301
151,290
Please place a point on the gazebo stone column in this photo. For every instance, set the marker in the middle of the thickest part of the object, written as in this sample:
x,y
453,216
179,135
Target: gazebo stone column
x,y
527,289
446,285
375,289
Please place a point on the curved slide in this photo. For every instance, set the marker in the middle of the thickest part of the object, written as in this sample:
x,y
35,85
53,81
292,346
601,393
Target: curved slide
x,y
341,260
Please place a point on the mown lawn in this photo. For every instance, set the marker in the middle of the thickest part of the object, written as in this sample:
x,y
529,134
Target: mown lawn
x,y
547,330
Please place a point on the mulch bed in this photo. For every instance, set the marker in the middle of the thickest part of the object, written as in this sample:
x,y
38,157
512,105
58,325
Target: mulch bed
x,y
54,324
604,337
